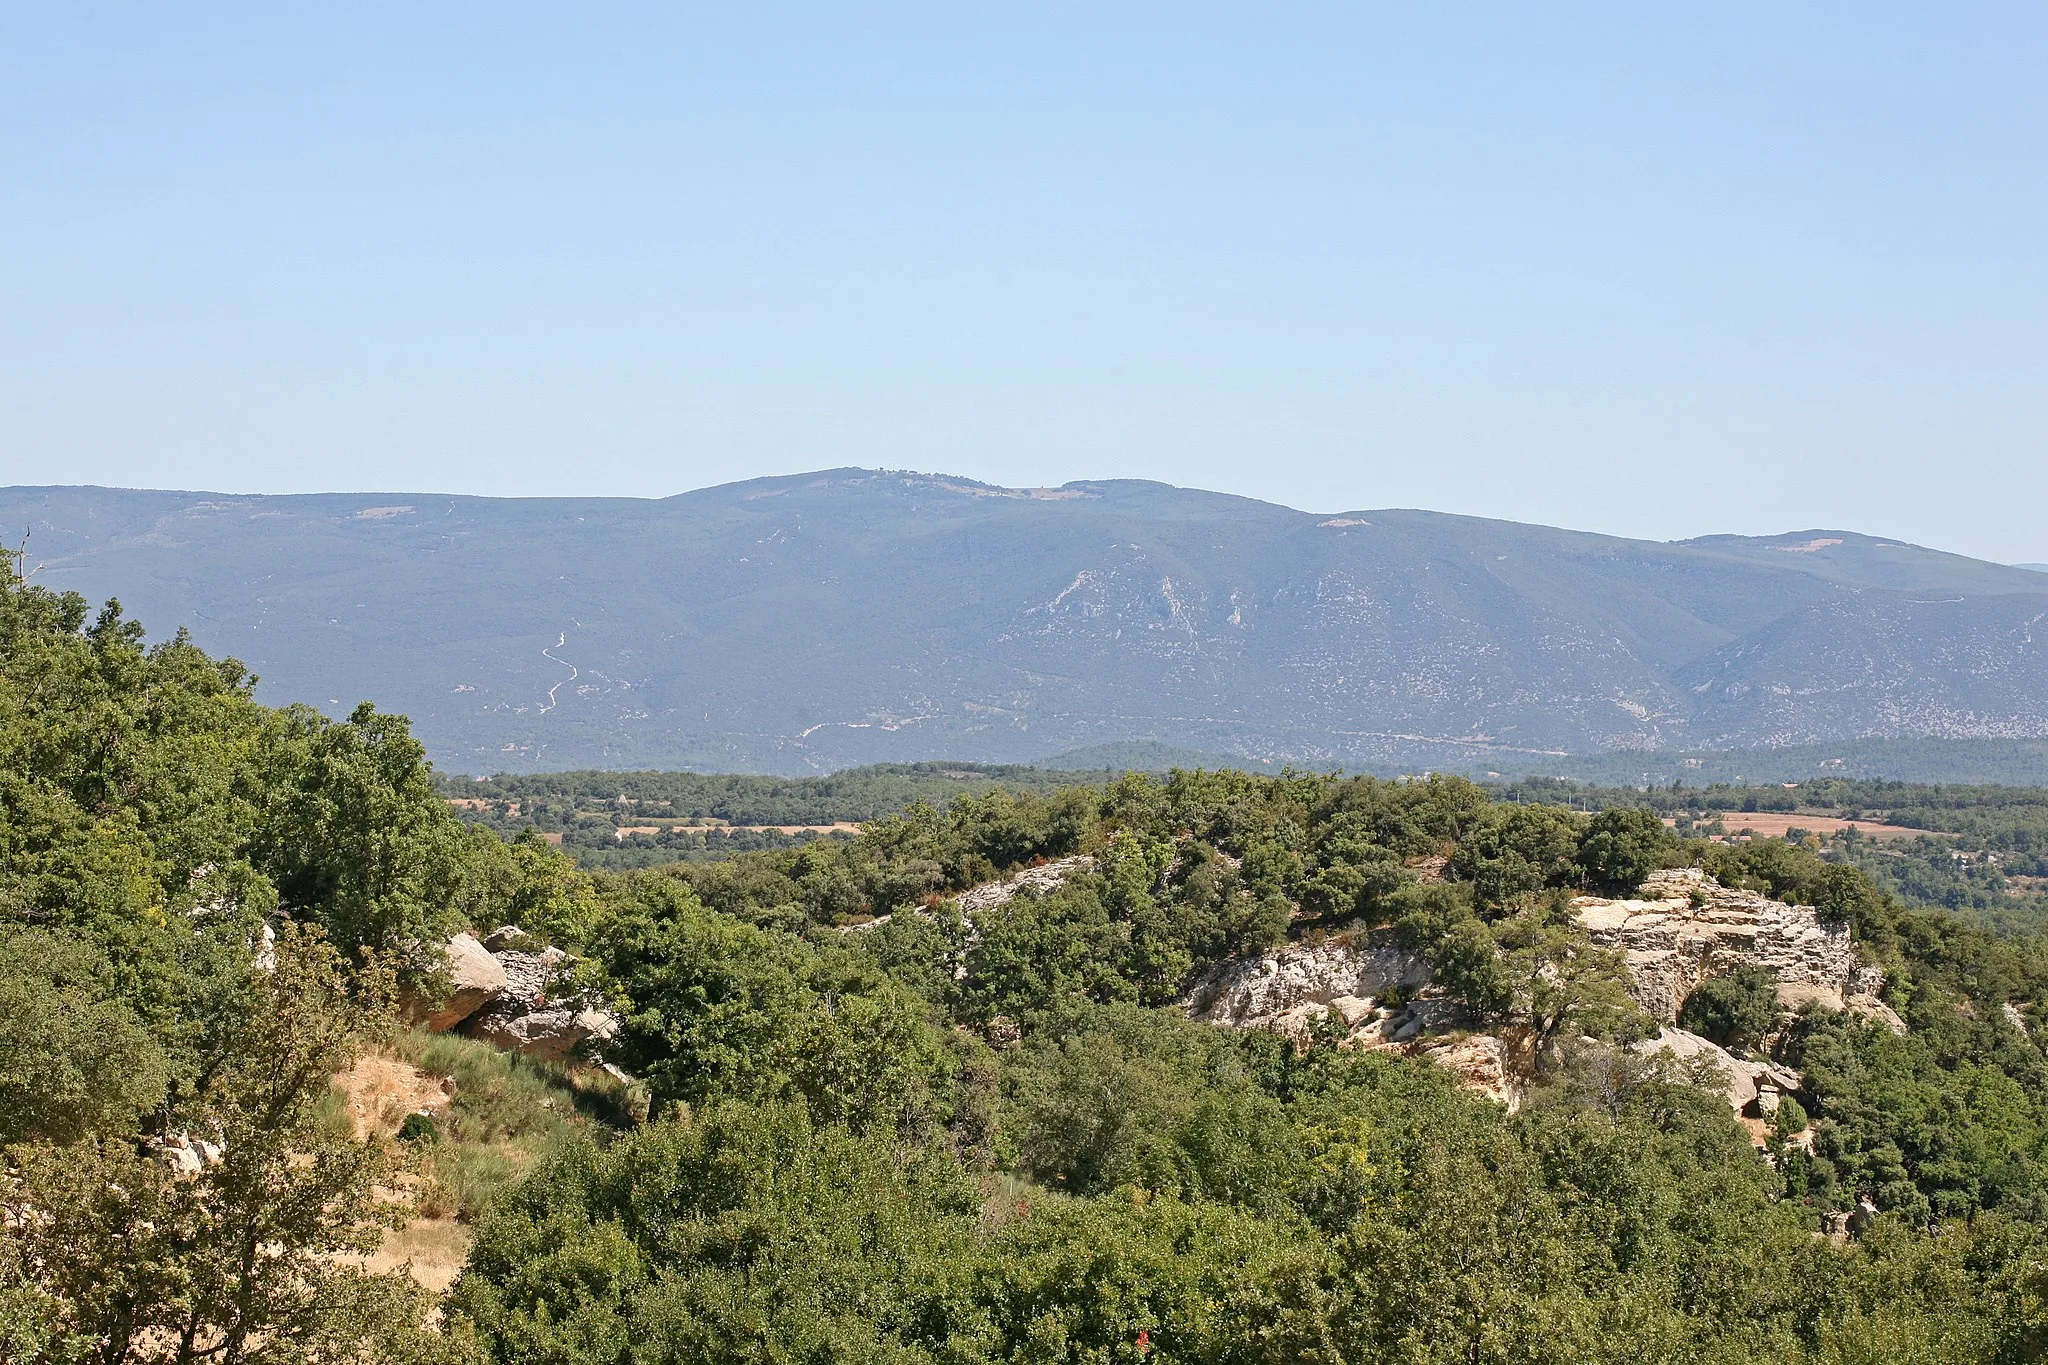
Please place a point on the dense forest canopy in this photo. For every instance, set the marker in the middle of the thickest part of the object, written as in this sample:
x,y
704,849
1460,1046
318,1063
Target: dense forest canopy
x,y
872,1124
1985,854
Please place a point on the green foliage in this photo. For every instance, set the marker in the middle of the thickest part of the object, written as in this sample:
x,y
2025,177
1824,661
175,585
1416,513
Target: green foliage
x,y
1734,1009
1125,1096
1401,1220
1514,850
127,1260
75,1061
715,1007
888,1130
1622,846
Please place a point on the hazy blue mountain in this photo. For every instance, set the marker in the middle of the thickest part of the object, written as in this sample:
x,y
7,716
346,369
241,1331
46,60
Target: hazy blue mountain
x,y
821,620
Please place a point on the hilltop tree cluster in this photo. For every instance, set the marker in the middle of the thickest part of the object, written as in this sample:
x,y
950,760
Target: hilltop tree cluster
x,y
882,1129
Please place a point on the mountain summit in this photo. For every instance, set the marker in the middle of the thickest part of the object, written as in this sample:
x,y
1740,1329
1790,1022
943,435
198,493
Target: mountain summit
x,y
814,621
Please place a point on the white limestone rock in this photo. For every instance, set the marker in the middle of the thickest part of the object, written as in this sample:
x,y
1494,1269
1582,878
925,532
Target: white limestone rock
x,y
1685,927
1260,992
1877,1012
1043,878
553,1033
475,979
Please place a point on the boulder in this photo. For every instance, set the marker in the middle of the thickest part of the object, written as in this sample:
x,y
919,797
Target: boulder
x,y
475,978
508,938
1794,996
1870,1008
553,1033
1689,1050
533,1015
184,1154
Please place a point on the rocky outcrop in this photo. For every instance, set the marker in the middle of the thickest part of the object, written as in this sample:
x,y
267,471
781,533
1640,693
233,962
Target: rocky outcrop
x,y
184,1154
1380,995
1301,981
1682,928
475,977
1745,1078
512,993
1043,878
537,1013
553,1033
1480,1062
1874,1010
1685,927
994,895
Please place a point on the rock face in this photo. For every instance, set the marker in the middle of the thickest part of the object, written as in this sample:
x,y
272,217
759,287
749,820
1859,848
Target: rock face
x,y
1682,928
1686,927
552,1033
1746,1077
529,1016
1290,984
475,977
1480,1062
1042,878
511,996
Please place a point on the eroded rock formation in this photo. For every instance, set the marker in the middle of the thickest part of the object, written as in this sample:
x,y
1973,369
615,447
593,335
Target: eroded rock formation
x,y
1684,927
1680,929
1299,981
514,994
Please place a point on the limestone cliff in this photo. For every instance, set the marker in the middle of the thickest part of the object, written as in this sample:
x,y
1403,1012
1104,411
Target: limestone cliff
x,y
1683,927
1680,929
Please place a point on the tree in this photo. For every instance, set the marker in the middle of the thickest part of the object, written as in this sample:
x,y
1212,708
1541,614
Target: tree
x,y
75,1061
1514,850
1621,847
125,1260
1735,1009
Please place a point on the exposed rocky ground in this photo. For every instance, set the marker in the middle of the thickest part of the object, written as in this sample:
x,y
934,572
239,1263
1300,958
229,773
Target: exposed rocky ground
x,y
1680,929
993,895
1684,927
511,992
1045,877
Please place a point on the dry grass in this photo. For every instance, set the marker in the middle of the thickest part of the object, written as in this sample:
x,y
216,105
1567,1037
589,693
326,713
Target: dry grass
x,y
380,1090
503,1111
431,1250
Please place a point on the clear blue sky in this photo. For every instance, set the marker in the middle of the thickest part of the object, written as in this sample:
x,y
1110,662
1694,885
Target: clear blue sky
x,y
1651,269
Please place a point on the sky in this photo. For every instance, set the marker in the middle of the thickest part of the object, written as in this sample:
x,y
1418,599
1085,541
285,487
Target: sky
x,y
1654,270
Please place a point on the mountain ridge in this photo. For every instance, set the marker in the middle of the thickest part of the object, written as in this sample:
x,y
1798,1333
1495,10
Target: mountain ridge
x,y
816,620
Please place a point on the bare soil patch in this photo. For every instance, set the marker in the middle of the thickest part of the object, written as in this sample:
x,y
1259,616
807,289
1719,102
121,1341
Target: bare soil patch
x,y
380,1090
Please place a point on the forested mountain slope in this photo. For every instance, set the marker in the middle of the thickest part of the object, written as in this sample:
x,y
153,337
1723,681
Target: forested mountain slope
x,y
815,621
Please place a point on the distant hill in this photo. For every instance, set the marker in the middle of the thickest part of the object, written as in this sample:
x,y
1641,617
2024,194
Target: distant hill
x,y
814,622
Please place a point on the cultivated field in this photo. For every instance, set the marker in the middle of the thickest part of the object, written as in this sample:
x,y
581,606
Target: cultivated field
x,y
1773,825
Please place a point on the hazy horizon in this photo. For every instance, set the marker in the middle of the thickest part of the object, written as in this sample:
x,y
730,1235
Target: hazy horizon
x,y
1653,274
941,474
